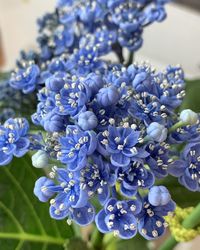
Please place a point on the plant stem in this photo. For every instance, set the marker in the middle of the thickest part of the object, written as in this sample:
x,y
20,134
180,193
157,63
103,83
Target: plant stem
x,y
77,230
130,59
191,221
119,52
177,125
32,238
97,240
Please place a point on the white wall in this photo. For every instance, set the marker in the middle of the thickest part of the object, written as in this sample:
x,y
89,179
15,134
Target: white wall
x,y
177,40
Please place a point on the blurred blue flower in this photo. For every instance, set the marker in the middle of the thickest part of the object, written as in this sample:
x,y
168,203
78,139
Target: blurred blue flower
x,y
26,78
13,139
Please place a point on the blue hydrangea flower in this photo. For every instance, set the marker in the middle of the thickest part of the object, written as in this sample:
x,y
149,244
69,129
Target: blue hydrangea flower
x,y
135,176
93,83
26,78
72,98
158,159
119,217
189,133
13,139
70,199
85,61
120,144
76,146
151,222
63,39
97,178
187,169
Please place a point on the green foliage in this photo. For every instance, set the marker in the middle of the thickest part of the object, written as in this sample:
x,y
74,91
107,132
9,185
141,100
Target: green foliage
x,y
137,243
192,98
76,244
25,223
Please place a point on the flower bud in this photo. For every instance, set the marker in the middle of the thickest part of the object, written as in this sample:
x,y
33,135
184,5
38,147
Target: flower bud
x,y
159,196
87,120
188,116
157,132
108,96
40,159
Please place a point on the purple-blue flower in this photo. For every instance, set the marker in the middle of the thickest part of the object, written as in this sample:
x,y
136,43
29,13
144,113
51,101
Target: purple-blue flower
x,y
151,222
97,177
26,78
14,140
119,217
70,199
187,169
121,145
135,176
76,146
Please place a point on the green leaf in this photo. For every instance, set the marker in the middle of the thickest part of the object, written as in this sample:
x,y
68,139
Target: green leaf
x,y
25,223
134,244
192,99
76,244
137,243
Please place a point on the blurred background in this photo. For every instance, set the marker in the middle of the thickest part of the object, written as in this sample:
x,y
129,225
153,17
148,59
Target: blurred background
x,y
175,41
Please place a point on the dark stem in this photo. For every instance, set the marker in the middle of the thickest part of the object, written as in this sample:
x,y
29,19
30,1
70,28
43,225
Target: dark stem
x,y
130,59
119,52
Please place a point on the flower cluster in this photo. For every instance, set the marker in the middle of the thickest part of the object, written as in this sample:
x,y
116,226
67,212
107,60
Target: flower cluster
x,y
111,135
109,129
79,32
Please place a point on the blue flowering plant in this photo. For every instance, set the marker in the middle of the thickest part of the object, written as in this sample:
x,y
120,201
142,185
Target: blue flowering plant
x,y
107,133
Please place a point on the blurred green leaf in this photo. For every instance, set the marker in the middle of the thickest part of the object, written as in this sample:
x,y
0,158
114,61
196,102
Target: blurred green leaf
x,y
76,244
137,243
192,98
25,223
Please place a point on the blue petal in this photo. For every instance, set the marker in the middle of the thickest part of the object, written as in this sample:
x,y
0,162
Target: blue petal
x,y
120,160
62,214
189,183
149,224
21,147
100,222
177,168
83,216
104,196
127,220
5,159
128,192
83,199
